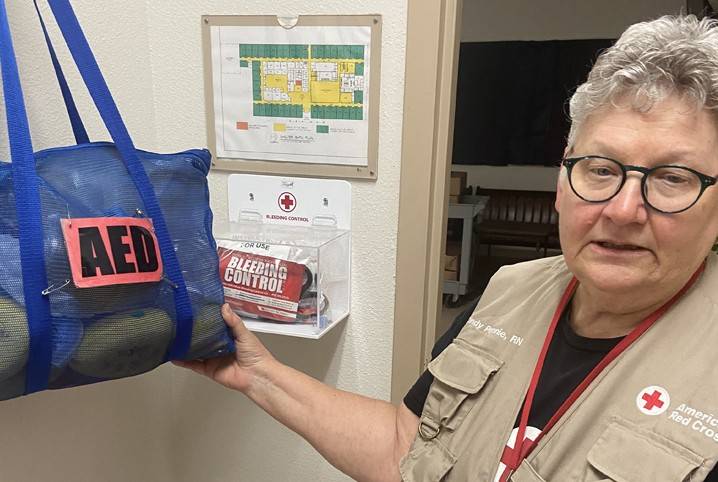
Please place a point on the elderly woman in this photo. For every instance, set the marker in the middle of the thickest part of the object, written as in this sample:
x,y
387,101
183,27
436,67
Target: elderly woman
x,y
613,377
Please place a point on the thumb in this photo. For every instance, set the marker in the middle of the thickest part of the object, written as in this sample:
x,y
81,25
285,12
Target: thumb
x,y
235,323
249,350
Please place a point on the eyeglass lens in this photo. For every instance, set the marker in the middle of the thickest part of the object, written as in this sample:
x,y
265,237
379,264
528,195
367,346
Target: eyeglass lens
x,y
668,189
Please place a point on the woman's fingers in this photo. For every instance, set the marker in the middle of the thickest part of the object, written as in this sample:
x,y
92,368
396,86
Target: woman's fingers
x,y
234,322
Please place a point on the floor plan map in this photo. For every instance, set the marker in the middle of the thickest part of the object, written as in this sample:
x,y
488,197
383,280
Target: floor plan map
x,y
322,81
304,98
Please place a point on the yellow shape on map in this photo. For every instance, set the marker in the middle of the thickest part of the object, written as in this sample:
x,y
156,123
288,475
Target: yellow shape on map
x,y
301,98
346,98
346,67
280,127
276,81
325,92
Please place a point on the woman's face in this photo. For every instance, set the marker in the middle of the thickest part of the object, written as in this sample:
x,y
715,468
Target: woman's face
x,y
622,246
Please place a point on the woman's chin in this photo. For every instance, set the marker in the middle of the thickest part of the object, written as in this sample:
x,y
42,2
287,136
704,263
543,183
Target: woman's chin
x,y
619,280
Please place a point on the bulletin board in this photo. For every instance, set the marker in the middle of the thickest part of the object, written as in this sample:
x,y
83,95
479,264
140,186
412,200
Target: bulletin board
x,y
293,95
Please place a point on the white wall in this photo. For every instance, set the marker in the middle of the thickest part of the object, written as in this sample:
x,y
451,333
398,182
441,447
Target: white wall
x,y
486,21
220,435
170,424
109,432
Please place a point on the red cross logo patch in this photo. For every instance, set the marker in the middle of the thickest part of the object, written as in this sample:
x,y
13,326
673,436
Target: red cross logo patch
x,y
653,400
287,202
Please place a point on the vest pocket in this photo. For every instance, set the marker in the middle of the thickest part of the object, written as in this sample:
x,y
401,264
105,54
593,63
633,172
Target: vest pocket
x,y
626,452
460,371
426,462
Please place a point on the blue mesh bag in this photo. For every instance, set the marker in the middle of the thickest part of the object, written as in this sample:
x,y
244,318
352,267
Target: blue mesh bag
x,y
54,334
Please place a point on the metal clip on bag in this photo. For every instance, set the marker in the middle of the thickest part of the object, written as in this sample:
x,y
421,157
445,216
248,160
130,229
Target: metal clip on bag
x,y
135,216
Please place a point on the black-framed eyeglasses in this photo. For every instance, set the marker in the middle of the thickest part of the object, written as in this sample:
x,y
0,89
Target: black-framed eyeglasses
x,y
667,189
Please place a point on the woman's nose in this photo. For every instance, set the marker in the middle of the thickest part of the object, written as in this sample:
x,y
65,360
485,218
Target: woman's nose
x,y
628,206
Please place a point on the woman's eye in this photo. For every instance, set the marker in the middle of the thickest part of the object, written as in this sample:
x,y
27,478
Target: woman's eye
x,y
602,171
673,179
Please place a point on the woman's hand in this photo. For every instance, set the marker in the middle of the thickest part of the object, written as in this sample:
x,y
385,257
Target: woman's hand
x,y
238,370
362,437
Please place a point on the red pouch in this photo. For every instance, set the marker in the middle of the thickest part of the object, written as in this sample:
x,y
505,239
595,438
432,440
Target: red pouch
x,y
262,286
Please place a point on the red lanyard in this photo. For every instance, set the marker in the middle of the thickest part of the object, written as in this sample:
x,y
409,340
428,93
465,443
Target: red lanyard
x,y
522,448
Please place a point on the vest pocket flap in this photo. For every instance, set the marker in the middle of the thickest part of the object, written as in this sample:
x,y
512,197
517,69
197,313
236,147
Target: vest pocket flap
x,y
526,473
626,452
426,462
464,367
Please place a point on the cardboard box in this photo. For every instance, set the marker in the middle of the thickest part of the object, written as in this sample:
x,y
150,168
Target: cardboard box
x,y
457,184
452,260
451,263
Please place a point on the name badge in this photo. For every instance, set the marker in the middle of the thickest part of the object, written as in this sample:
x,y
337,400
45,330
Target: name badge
x,y
110,251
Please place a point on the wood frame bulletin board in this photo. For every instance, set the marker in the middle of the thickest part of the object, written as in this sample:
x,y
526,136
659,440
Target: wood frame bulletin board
x,y
294,96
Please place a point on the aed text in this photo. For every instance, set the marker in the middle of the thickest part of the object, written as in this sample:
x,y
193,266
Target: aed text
x,y
127,252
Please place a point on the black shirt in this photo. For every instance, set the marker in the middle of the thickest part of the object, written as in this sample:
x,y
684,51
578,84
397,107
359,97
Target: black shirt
x,y
569,359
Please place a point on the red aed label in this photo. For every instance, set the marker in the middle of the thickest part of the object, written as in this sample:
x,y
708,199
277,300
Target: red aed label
x,y
111,251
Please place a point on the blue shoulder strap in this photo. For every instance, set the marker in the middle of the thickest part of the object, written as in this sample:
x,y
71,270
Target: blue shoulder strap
x,y
90,71
78,128
27,206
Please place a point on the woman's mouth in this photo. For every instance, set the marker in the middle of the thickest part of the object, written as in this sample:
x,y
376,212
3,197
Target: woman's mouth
x,y
618,246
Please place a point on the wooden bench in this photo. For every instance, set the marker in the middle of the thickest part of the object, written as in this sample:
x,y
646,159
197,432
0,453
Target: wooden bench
x,y
519,218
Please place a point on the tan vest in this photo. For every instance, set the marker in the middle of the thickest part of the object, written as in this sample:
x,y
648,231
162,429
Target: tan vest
x,y
614,431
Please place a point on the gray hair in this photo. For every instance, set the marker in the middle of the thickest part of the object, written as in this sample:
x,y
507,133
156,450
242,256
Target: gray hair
x,y
651,61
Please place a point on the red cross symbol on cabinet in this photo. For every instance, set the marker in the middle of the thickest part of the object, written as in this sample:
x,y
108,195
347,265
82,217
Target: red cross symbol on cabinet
x,y
287,202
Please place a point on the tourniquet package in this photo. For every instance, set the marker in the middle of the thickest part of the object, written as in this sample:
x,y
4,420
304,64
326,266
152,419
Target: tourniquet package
x,y
285,279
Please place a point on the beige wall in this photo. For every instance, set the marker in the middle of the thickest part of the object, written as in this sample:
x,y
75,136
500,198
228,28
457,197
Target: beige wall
x,y
526,178
172,425
485,21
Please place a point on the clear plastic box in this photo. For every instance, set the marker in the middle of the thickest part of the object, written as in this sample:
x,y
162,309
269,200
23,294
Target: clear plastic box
x,y
289,280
